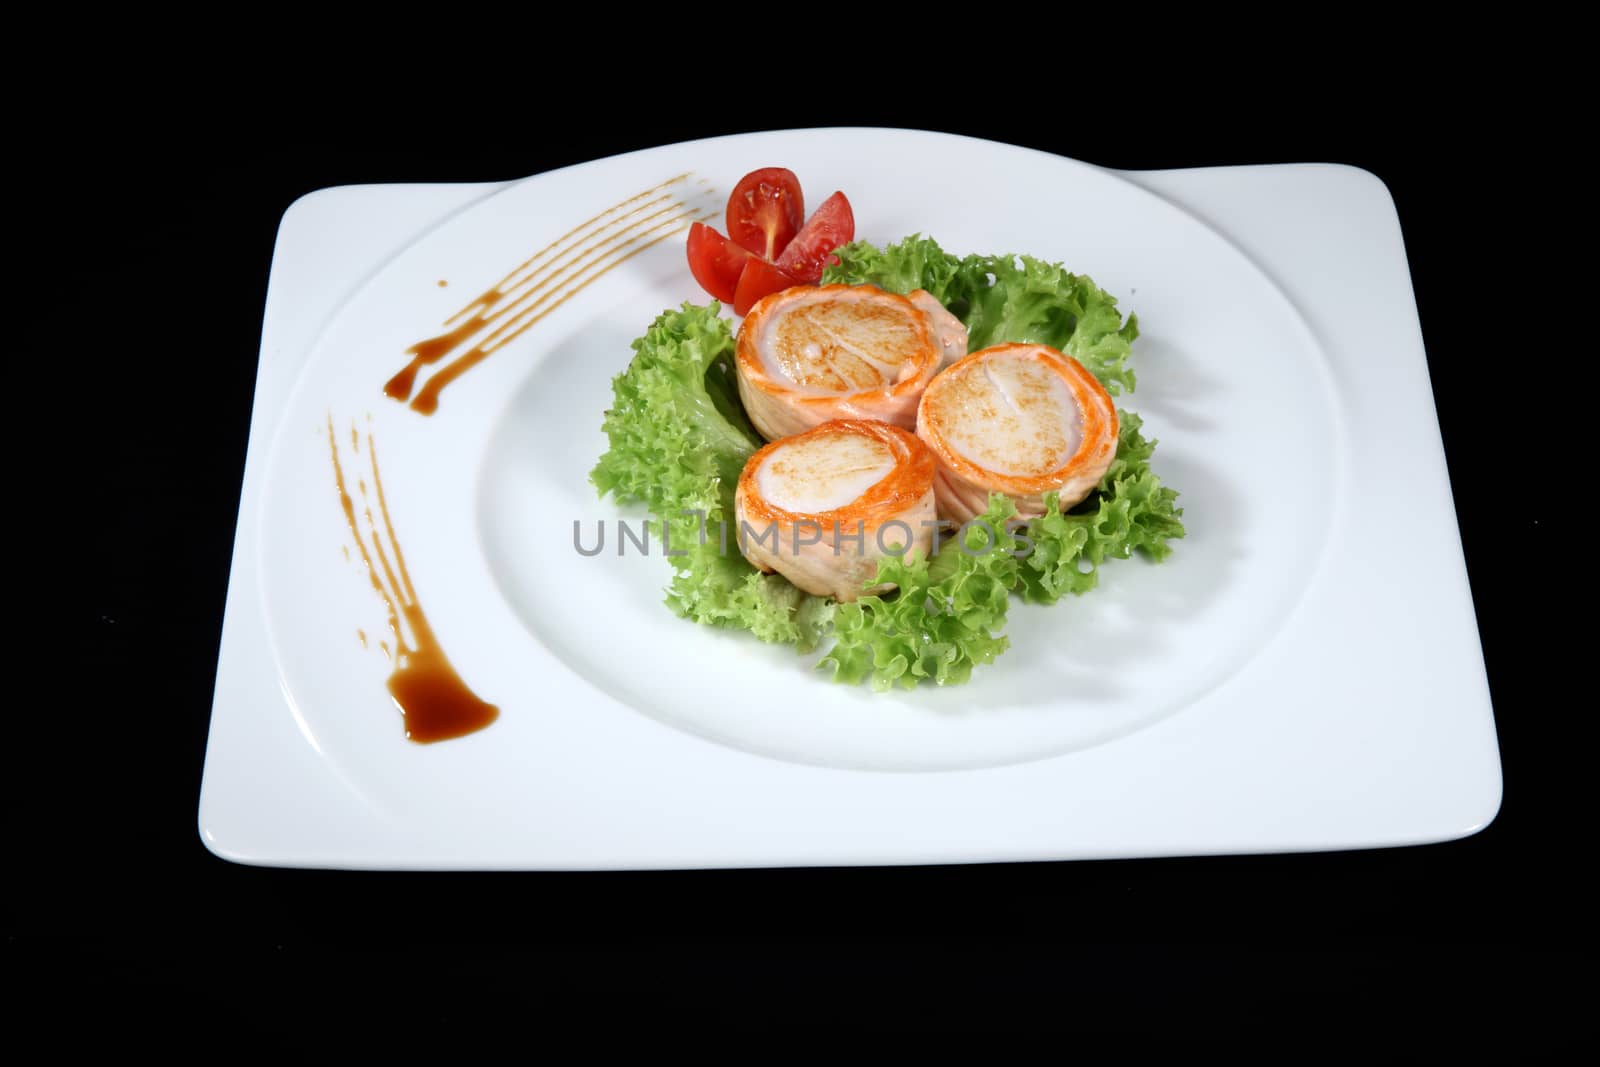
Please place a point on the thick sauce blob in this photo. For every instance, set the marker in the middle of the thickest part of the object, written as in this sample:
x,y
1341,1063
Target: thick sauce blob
x,y
435,703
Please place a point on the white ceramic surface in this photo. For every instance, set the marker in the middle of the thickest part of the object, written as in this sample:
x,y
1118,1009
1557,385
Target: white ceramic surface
x,y
1290,679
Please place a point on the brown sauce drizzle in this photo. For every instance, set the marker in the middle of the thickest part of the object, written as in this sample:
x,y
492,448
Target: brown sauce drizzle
x,y
435,703
525,296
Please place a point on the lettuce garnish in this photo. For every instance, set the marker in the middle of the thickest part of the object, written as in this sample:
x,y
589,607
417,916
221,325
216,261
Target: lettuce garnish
x,y
679,439
678,432
1129,510
943,619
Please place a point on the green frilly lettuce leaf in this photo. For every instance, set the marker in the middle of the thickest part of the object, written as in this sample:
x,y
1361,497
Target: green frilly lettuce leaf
x,y
679,438
944,618
1130,510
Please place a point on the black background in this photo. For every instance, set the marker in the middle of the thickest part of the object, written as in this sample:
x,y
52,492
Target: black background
x,y
149,238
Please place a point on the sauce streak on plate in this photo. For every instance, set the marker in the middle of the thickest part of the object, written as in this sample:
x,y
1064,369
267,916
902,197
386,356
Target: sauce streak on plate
x,y
436,704
565,267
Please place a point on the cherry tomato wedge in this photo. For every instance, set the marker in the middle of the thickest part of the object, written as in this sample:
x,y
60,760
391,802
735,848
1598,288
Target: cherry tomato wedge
x,y
831,225
759,279
715,262
765,211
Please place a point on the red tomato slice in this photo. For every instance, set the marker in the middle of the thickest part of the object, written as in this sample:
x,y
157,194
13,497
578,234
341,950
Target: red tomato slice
x,y
765,211
715,262
759,279
831,225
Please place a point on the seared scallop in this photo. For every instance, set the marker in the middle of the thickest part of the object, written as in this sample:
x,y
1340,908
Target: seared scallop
x,y
1023,420
809,355
822,507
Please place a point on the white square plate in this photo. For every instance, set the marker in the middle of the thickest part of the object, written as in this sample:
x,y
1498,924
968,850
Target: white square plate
x,y
1304,673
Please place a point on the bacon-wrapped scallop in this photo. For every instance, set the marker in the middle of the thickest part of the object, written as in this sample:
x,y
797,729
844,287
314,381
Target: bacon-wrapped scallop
x,y
808,355
1018,419
822,507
